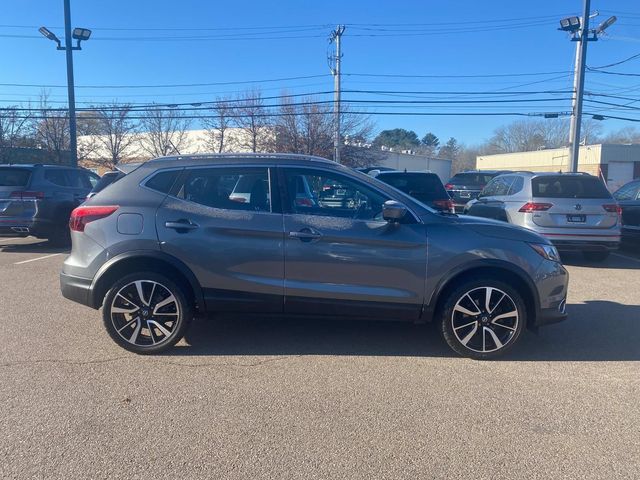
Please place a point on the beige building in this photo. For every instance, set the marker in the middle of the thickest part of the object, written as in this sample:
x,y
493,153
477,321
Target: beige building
x,y
615,163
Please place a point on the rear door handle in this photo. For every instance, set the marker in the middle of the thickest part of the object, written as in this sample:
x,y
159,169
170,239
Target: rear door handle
x,y
181,226
306,235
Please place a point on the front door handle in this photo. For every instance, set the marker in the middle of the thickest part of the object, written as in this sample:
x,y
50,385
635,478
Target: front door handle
x,y
181,226
306,235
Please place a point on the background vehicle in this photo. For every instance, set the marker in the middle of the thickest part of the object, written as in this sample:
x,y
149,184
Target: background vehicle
x,y
423,186
369,169
38,199
166,242
628,197
574,210
109,177
465,186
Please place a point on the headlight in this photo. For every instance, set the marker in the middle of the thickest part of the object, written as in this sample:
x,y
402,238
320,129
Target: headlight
x,y
546,251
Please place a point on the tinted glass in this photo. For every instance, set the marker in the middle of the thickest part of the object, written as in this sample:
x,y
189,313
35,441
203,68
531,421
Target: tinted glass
x,y
14,177
57,177
628,192
229,188
474,178
499,186
313,192
559,186
424,187
161,182
79,179
516,186
107,179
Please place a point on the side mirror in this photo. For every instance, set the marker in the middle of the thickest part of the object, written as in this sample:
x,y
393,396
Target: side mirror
x,y
393,211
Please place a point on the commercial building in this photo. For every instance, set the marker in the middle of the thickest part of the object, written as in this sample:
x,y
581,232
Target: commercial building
x,y
616,164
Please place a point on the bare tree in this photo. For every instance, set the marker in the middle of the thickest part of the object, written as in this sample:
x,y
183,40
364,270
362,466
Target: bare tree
x,y
218,122
52,130
164,131
15,125
254,121
624,135
288,128
114,135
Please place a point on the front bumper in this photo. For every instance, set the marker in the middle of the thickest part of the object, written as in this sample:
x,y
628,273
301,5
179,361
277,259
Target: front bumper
x,y
77,289
552,282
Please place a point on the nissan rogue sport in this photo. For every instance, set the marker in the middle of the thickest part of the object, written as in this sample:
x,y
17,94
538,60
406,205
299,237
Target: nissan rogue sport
x,y
173,240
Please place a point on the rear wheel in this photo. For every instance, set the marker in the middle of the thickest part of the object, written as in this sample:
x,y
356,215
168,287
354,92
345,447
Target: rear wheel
x,y
482,318
146,313
599,256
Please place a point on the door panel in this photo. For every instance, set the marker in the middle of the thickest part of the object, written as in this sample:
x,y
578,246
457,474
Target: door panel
x,y
236,252
336,264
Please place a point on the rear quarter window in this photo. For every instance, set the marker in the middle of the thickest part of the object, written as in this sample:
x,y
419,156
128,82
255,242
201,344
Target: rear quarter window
x,y
14,177
163,181
570,186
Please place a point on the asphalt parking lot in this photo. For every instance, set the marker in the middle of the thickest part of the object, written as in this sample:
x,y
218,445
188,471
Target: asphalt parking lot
x,y
301,399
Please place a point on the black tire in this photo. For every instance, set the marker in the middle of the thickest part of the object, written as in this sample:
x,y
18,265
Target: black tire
x,y
597,256
157,332
475,328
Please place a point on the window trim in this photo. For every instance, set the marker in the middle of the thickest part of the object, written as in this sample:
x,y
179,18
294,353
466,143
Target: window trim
x,y
285,198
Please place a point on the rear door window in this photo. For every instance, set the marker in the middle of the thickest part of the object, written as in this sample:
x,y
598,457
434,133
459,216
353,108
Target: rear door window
x,y
57,177
239,188
14,177
628,192
569,186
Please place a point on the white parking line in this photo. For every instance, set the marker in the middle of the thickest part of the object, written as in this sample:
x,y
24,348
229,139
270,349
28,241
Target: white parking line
x,y
625,257
36,259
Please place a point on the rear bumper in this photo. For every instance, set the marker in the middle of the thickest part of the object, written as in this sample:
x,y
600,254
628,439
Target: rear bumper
x,y
586,245
77,289
24,226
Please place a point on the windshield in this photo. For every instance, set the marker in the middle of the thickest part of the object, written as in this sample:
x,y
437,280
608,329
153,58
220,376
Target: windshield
x,y
14,177
569,186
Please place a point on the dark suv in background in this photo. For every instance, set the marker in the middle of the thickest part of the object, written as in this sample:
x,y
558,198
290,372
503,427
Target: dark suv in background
x,y
466,186
38,199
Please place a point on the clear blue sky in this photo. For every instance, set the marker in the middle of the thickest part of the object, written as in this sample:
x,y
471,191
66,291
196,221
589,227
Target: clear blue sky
x,y
134,43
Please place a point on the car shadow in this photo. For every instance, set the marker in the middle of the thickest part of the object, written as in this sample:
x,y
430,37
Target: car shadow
x,y
595,331
38,246
619,261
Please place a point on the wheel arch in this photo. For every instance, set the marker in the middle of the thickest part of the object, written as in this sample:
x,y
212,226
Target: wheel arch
x,y
496,269
154,261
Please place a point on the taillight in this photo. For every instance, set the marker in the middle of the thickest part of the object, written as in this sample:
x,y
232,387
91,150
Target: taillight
x,y
448,186
613,208
304,202
446,205
81,216
535,207
27,195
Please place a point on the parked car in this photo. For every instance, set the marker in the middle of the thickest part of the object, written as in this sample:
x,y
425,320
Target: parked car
x,y
370,169
574,210
423,186
152,256
628,197
109,177
38,199
466,186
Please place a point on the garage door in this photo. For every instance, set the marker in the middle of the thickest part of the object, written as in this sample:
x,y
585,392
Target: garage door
x,y
619,173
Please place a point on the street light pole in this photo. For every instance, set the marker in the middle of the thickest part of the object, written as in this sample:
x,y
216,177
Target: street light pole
x,y
79,35
578,88
68,47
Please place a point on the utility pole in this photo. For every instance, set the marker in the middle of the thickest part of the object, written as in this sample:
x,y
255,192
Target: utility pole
x,y
336,36
579,28
578,88
68,47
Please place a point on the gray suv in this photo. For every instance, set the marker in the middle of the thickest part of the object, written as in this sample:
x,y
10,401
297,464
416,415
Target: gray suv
x,y
171,241
574,210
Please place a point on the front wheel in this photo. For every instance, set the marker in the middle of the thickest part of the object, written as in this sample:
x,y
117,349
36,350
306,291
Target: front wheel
x,y
482,319
146,313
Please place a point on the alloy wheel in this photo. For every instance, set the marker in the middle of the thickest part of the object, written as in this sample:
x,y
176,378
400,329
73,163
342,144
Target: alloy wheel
x,y
145,313
485,319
